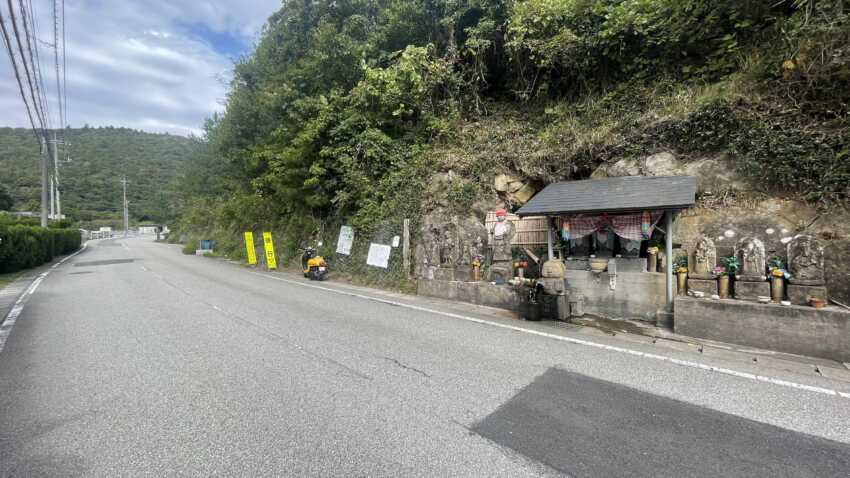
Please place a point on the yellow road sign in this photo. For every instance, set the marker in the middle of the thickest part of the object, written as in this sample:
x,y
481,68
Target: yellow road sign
x,y
249,248
271,262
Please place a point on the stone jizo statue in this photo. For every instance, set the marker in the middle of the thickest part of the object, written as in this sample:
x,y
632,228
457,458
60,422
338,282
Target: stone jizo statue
x,y
750,252
705,258
500,244
805,261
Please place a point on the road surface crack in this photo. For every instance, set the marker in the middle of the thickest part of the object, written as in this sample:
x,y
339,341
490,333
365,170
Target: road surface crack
x,y
407,367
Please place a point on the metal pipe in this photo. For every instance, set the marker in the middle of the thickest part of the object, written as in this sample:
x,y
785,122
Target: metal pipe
x,y
668,253
550,249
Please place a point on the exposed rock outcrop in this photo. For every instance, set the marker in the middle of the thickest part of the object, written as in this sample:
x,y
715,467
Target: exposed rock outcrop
x,y
513,189
713,175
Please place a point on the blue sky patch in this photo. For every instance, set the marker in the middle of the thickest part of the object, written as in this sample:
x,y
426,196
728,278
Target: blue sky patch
x,y
224,43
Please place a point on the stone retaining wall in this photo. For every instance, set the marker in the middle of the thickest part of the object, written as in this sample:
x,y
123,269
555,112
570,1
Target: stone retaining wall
x,y
793,329
637,295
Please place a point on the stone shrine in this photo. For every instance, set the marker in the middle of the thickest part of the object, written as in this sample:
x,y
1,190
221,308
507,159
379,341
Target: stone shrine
x,y
701,274
751,283
805,264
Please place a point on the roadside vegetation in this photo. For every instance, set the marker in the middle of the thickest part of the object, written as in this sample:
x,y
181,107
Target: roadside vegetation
x,y
347,108
24,244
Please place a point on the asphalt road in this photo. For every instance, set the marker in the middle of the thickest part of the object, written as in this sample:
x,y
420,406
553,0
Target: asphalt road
x,y
133,360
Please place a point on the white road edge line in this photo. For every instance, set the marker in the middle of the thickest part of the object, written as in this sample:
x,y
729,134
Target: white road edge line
x,y
12,317
638,353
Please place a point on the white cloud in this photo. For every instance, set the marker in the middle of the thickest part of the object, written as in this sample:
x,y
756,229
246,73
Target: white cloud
x,y
138,63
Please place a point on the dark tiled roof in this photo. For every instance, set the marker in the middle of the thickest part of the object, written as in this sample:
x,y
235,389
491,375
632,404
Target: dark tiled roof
x,y
625,194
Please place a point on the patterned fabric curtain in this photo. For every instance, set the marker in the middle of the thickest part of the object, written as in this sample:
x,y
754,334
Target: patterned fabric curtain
x,y
634,227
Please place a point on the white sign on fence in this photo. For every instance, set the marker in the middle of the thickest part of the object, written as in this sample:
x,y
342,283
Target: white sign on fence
x,y
346,239
379,255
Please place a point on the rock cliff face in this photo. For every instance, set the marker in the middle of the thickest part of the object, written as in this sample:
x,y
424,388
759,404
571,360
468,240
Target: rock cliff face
x,y
728,209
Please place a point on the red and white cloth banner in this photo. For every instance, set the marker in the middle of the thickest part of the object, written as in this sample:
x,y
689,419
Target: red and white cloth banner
x,y
634,227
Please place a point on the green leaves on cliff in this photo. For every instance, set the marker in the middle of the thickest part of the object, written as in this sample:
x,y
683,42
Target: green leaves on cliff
x,y
336,114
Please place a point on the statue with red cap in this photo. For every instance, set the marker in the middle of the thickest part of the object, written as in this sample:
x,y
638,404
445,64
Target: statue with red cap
x,y
501,267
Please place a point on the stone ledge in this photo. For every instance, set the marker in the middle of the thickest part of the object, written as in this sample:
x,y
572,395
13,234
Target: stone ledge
x,y
751,290
793,329
707,287
799,294
479,293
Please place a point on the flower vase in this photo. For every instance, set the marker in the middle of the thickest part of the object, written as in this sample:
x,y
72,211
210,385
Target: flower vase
x,y
652,263
723,287
682,283
777,288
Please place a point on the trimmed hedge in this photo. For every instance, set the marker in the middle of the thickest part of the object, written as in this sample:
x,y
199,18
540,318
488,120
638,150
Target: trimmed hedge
x,y
23,247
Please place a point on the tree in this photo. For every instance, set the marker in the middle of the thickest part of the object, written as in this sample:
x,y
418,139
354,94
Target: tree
x,y
6,201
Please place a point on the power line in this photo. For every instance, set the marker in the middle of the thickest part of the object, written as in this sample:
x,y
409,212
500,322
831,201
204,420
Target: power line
x,y
36,65
10,51
32,89
56,58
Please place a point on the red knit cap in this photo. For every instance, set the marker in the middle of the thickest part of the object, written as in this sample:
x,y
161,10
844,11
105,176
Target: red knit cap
x,y
501,212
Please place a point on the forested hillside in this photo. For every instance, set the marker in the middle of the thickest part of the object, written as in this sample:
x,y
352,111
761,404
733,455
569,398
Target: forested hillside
x,y
348,109
100,158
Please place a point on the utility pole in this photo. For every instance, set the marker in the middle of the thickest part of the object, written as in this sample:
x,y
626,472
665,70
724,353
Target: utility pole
x,y
126,217
44,185
52,196
53,179
56,144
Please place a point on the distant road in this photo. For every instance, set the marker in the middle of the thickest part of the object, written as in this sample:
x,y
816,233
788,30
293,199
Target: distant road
x,y
132,359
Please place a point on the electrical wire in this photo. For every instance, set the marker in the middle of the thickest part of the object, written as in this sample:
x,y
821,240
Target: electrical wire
x,y
36,66
8,43
56,59
29,77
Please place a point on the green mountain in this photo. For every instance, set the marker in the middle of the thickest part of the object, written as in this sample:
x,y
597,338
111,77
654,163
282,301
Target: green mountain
x,y
91,180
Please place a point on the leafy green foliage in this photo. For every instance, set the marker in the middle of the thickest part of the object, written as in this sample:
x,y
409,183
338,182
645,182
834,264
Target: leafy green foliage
x,y
731,264
190,247
23,246
6,200
576,45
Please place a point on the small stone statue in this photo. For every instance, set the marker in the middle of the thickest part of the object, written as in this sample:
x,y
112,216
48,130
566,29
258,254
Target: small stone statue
x,y
705,258
750,252
805,261
500,243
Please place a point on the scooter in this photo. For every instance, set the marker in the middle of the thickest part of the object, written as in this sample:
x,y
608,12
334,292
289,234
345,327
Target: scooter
x,y
314,266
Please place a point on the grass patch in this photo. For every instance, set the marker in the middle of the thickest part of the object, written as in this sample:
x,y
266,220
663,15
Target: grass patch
x,y
8,278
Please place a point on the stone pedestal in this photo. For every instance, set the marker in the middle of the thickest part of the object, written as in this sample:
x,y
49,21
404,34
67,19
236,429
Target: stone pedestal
x,y
707,287
501,269
799,294
751,290
463,272
445,273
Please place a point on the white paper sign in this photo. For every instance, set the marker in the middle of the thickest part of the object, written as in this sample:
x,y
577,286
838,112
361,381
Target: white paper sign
x,y
379,255
346,238
396,241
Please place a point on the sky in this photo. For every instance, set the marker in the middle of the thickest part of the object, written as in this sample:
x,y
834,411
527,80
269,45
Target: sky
x,y
153,65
